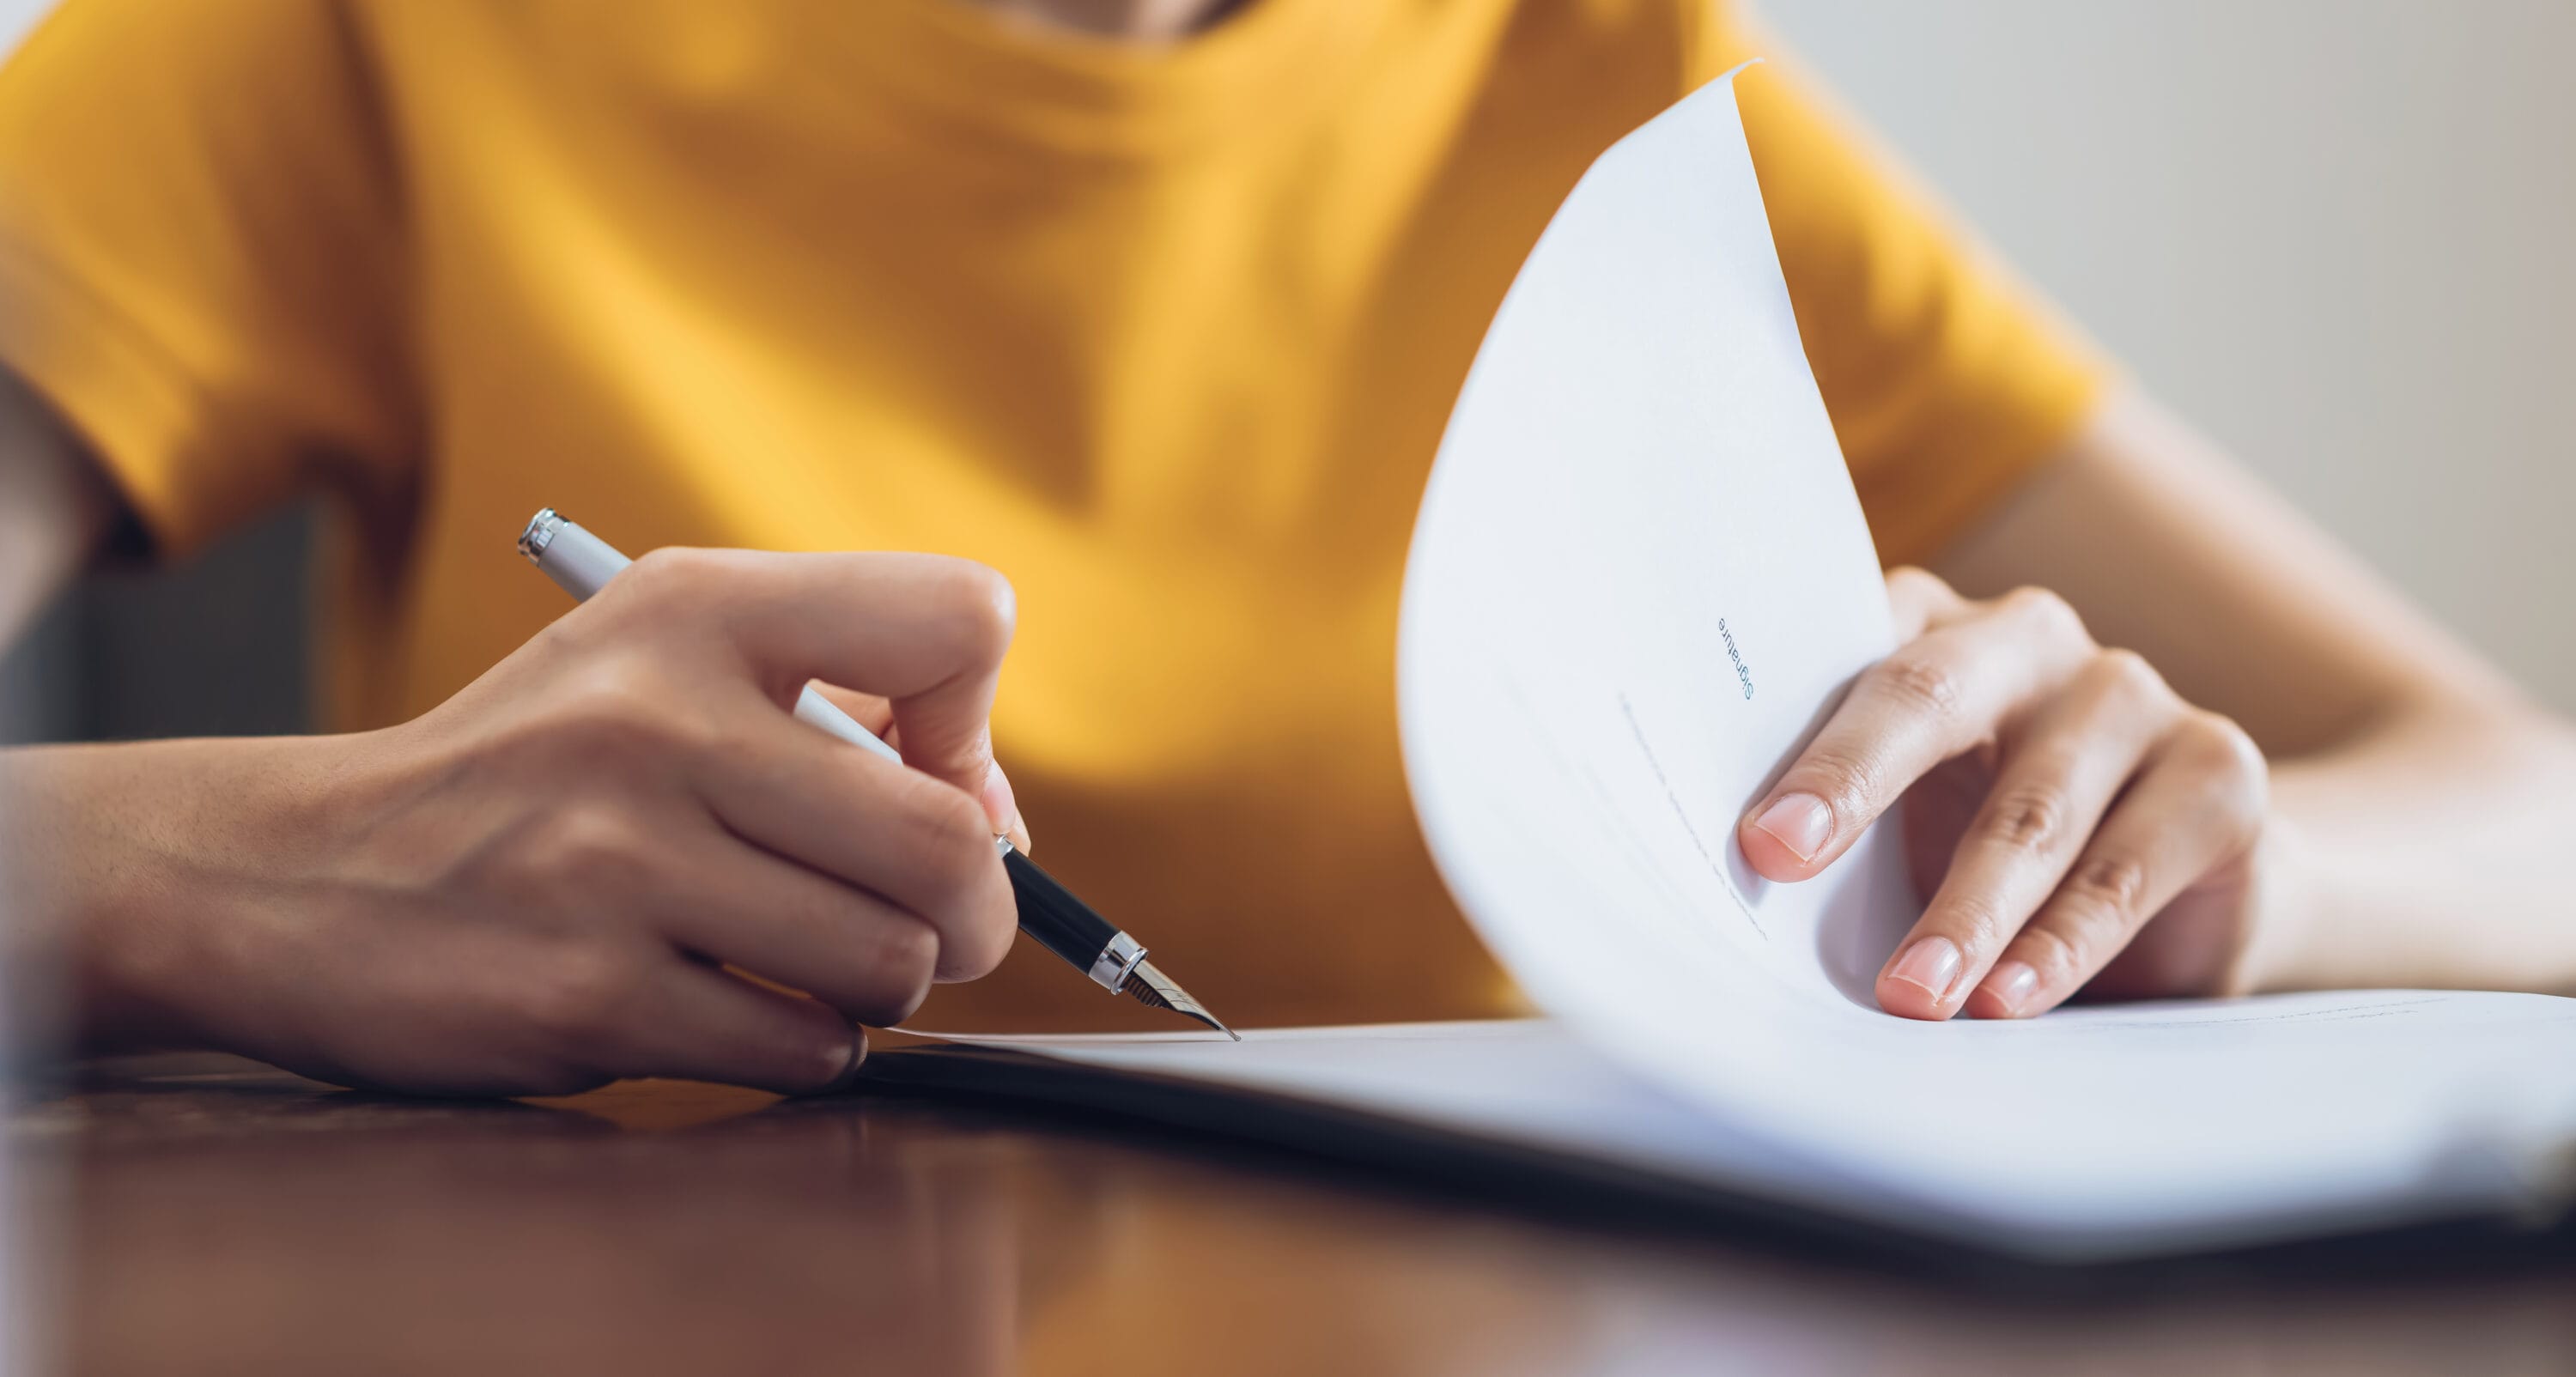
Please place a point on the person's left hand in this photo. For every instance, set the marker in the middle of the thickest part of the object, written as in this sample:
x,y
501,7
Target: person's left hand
x,y
2064,807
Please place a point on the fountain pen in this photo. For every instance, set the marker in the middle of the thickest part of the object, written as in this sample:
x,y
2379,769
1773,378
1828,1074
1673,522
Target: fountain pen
x,y
581,563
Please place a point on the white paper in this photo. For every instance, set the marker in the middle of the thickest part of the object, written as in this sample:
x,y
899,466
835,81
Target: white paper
x,y
1639,579
2202,1178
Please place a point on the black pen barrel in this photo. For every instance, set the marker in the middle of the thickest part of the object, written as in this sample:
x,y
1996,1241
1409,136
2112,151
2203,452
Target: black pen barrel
x,y
1050,913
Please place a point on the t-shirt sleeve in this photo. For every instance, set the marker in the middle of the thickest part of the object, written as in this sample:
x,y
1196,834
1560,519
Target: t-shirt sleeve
x,y
200,263
1947,380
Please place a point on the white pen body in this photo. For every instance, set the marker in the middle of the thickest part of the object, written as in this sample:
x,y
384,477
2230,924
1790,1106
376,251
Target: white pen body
x,y
815,710
580,563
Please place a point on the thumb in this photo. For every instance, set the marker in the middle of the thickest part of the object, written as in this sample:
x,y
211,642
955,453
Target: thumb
x,y
946,728
924,632
952,740
1001,804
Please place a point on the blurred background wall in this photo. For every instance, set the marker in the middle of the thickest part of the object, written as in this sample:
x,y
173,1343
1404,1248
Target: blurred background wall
x,y
2333,232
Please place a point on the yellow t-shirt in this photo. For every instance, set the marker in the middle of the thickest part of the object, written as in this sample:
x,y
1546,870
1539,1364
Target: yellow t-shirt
x,y
1166,334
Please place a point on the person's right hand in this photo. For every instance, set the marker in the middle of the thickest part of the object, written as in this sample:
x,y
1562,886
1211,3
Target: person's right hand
x,y
536,887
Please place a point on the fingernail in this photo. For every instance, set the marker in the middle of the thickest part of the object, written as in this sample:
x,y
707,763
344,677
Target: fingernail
x,y
2011,982
846,1063
1002,806
1931,964
1800,822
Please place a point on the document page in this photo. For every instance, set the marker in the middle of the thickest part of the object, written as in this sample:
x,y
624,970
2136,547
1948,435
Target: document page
x,y
1535,1084
1639,580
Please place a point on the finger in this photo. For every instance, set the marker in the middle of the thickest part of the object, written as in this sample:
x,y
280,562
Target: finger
x,y
743,906
1001,803
698,1023
1936,697
916,842
1938,811
2197,806
2058,779
1918,599
925,632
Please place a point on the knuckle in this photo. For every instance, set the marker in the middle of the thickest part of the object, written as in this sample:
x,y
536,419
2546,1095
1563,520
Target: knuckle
x,y
1843,779
2109,885
1923,684
2242,779
981,607
1975,923
584,854
2043,608
2129,673
1979,925
2026,818
2223,744
660,582
673,574
620,711
1915,585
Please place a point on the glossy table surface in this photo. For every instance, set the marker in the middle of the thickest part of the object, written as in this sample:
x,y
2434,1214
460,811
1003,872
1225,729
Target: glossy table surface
x,y
204,1215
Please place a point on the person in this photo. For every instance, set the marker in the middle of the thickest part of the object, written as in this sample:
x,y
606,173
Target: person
x,y
1145,315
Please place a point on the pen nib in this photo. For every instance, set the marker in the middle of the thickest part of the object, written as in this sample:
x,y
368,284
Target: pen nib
x,y
1149,986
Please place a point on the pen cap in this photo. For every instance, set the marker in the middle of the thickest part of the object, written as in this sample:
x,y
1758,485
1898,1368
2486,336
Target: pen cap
x,y
579,562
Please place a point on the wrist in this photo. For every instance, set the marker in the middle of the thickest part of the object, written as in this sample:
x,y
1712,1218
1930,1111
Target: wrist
x,y
2282,918
147,873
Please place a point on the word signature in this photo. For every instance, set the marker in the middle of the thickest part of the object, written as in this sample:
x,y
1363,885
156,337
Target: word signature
x,y
1743,675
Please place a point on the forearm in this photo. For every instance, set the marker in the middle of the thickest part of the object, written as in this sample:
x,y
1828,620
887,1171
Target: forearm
x,y
2429,852
90,866
141,872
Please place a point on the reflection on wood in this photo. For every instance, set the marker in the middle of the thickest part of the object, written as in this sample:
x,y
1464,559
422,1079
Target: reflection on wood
x,y
225,1218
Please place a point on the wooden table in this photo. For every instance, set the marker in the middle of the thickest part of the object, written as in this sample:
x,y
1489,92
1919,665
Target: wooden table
x,y
203,1215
